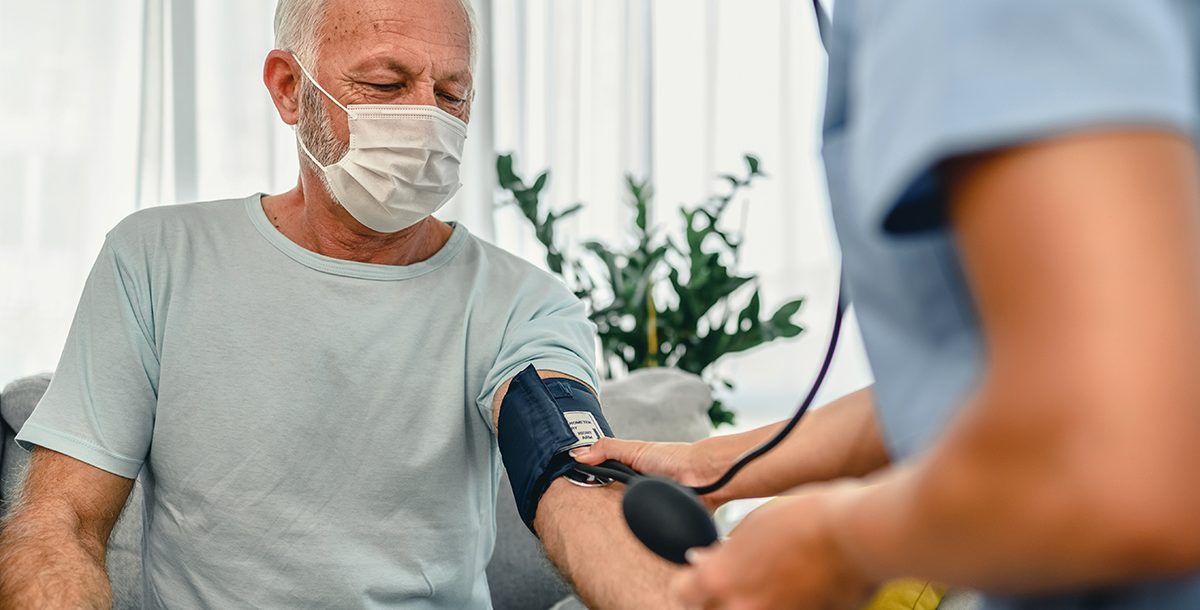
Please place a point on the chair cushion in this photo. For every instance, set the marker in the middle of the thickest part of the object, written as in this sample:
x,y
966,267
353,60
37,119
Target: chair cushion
x,y
658,404
17,401
20,397
570,602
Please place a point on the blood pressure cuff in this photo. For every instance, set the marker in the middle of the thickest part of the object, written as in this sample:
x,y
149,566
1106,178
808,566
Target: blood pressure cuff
x,y
540,421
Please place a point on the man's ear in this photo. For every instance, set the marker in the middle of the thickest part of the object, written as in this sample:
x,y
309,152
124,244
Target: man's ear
x,y
281,75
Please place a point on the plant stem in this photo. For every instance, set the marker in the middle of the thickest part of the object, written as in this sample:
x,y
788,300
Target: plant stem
x,y
651,331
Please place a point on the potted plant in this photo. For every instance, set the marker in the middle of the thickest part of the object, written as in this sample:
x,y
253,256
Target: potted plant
x,y
656,301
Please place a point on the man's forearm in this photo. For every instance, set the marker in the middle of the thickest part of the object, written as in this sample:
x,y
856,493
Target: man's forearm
x,y
43,566
585,535
841,439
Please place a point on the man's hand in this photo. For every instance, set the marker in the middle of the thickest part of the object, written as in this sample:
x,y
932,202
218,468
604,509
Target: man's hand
x,y
781,556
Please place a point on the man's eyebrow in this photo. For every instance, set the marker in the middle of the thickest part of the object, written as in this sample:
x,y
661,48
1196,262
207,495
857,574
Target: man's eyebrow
x,y
462,76
374,63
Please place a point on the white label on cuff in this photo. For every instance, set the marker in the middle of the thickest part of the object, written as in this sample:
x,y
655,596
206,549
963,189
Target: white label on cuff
x,y
586,428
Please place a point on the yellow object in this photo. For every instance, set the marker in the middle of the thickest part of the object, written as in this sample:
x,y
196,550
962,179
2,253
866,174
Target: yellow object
x,y
907,595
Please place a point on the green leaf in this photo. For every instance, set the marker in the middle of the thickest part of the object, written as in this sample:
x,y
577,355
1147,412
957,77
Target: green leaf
x,y
640,199
719,415
787,311
633,185
780,326
748,319
540,182
504,171
753,163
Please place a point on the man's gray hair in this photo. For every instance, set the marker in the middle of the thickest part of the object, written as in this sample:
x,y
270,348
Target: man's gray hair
x,y
298,28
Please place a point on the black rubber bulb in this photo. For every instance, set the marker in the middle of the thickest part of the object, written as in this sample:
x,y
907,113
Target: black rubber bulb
x,y
667,517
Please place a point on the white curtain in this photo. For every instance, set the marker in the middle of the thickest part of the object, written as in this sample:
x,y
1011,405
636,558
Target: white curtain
x,y
137,103
121,105
210,130
68,151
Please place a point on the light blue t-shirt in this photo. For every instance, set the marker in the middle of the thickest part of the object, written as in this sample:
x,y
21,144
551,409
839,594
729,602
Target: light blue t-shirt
x,y
915,82
310,432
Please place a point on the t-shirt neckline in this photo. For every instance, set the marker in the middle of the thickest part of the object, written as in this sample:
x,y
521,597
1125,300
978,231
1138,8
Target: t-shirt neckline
x,y
337,266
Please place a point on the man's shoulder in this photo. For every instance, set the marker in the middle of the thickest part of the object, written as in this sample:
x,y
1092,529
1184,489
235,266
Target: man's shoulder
x,y
513,285
164,221
503,265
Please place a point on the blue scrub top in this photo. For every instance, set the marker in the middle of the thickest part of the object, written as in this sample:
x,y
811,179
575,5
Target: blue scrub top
x,y
913,83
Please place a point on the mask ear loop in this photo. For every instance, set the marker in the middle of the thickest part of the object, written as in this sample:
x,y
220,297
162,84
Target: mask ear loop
x,y
306,151
312,80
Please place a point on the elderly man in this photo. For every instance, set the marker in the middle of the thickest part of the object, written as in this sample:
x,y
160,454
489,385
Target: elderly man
x,y
309,382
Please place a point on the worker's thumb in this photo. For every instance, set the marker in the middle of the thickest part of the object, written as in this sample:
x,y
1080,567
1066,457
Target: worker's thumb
x,y
608,449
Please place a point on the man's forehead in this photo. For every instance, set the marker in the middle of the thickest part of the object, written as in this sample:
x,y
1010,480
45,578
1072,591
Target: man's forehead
x,y
438,22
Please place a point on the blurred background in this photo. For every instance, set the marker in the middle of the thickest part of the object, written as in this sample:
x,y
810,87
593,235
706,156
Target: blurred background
x,y
115,105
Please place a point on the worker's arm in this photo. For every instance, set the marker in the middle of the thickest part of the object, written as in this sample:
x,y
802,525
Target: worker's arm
x,y
841,439
1075,463
52,544
585,536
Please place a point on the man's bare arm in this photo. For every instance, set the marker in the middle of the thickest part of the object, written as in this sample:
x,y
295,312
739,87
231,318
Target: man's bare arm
x,y
52,544
1075,464
585,536
841,439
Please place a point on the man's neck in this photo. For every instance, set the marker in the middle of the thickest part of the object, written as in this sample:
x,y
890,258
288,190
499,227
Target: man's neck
x,y
308,217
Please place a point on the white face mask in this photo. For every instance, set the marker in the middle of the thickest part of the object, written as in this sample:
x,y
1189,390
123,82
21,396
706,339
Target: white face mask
x,y
402,164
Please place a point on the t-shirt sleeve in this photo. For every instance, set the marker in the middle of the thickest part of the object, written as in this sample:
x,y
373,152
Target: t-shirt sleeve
x,y
934,79
100,405
550,330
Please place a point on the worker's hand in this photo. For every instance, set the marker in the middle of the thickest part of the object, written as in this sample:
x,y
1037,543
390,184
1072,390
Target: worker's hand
x,y
781,556
687,463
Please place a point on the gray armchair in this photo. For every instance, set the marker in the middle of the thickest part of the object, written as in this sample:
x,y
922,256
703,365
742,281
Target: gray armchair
x,y
653,404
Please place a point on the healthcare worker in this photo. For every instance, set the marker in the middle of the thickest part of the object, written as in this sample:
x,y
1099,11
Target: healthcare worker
x,y
1014,186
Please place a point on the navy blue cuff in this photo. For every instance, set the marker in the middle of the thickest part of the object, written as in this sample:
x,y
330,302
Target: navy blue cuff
x,y
540,420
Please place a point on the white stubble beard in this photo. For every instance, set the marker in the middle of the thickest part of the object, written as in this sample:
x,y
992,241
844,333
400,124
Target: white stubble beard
x,y
314,128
